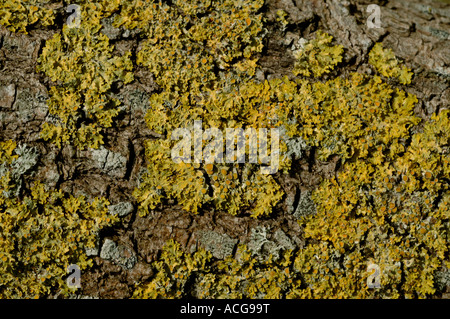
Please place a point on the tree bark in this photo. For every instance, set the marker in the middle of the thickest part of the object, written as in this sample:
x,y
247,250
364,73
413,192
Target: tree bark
x,y
417,31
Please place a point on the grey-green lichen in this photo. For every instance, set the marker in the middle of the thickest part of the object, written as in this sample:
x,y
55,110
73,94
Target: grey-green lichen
x,y
264,244
442,279
28,105
305,206
121,209
108,161
25,160
220,245
118,254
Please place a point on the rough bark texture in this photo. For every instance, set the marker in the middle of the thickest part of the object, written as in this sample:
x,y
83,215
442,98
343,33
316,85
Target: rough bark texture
x,y
417,31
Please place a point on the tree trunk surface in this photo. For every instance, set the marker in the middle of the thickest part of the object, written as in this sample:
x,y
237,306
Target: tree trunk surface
x,y
417,31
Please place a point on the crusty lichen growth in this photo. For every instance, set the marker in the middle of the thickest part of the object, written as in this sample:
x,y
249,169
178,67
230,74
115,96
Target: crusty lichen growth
x,y
174,269
388,65
42,233
354,117
80,62
188,40
17,15
181,275
393,213
281,19
199,54
229,186
388,203
317,56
